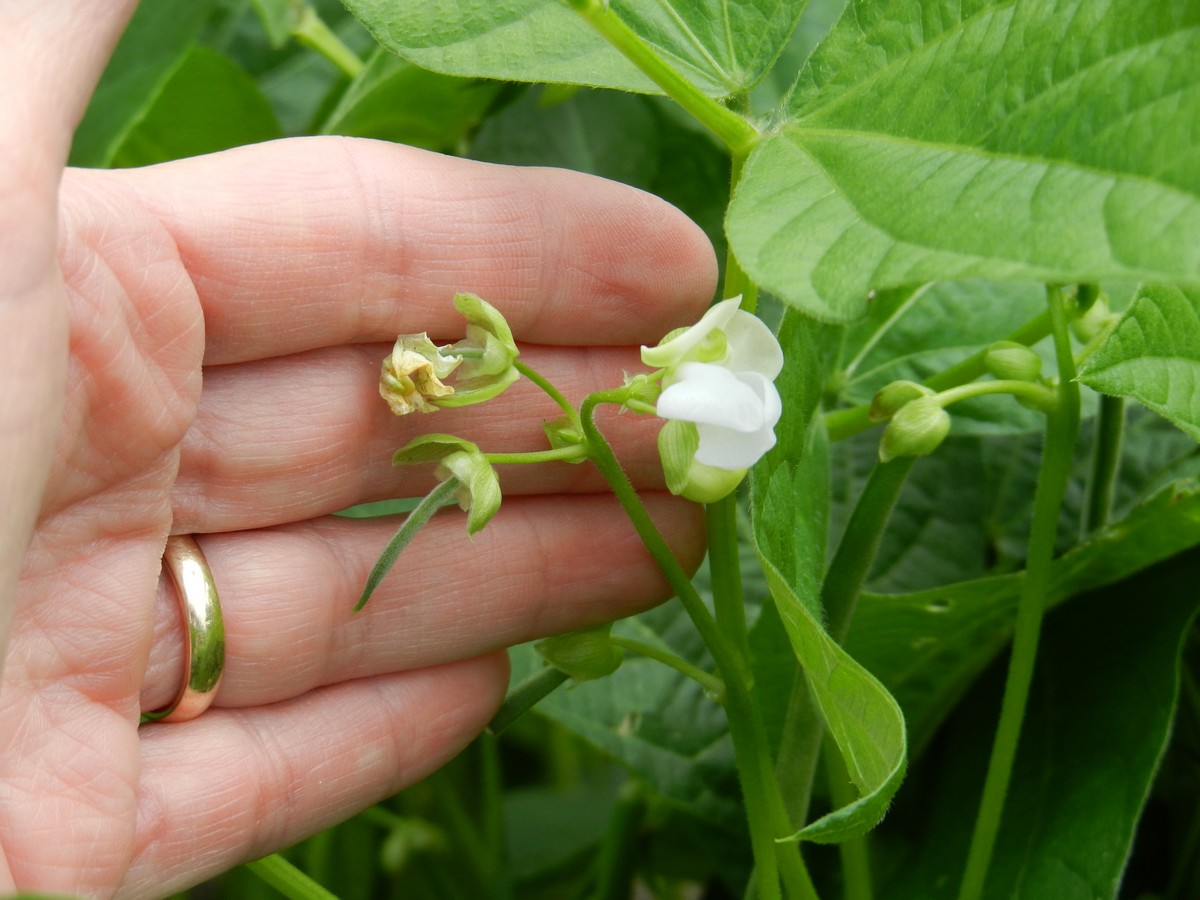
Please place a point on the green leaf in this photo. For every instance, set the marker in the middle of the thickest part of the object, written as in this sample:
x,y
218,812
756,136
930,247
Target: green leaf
x,y
928,647
789,492
158,38
723,47
1153,355
207,104
393,100
1001,140
1098,723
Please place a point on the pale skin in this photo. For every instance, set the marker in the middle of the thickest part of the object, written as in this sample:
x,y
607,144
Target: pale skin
x,y
193,349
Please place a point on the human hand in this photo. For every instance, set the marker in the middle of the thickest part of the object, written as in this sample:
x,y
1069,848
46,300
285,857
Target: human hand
x,y
282,273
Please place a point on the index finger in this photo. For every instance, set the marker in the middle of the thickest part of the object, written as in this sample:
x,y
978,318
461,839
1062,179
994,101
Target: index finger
x,y
315,242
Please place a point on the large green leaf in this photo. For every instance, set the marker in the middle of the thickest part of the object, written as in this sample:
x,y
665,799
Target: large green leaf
x,y
723,46
790,503
950,140
158,39
393,100
1098,722
1153,355
928,647
207,104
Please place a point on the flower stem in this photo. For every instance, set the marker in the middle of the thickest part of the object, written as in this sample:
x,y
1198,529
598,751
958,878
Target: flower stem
x,y
564,454
287,879
1062,428
554,393
711,683
1029,390
844,423
760,790
312,32
1106,462
733,130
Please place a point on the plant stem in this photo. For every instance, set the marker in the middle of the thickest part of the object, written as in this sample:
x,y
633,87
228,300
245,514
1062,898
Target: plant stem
x,y
312,32
733,130
621,841
724,566
566,454
525,695
554,393
713,685
1062,428
844,423
760,790
860,543
855,853
1028,390
287,879
1106,463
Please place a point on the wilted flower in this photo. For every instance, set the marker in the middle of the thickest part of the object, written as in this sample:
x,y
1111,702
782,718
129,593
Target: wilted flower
x,y
412,375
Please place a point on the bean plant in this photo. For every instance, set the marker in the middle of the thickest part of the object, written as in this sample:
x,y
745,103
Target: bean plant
x,y
943,643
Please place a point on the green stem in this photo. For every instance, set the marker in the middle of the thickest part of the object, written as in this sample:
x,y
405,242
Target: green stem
x,y
287,879
616,863
737,281
554,393
525,695
440,496
844,423
737,134
713,685
859,545
855,853
568,454
1062,427
724,565
1029,390
1106,462
760,790
312,32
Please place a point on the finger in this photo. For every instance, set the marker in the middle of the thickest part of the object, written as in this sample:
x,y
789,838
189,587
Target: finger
x,y
315,242
542,566
288,439
233,785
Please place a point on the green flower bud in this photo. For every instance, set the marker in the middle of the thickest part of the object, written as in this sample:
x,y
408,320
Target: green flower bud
x,y
1098,319
678,442
479,492
1043,400
916,429
488,352
584,655
1013,361
895,395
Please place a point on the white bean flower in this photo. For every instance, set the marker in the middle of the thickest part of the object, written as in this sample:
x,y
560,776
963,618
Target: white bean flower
x,y
719,399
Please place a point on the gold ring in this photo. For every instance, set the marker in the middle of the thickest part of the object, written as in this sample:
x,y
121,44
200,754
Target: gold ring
x,y
204,655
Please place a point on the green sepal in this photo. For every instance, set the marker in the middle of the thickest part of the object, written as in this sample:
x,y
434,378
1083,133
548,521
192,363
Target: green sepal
x,y
431,448
892,397
564,432
489,351
480,493
584,655
678,442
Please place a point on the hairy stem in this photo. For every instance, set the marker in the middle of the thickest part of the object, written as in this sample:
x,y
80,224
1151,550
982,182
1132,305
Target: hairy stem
x,y
1062,428
713,685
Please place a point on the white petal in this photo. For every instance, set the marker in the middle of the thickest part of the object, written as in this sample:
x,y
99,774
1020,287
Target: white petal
x,y
708,393
678,347
729,449
753,347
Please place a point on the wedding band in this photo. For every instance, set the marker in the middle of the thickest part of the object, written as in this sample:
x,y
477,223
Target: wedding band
x,y
204,654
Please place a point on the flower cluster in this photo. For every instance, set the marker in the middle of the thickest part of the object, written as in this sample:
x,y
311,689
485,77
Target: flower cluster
x,y
719,400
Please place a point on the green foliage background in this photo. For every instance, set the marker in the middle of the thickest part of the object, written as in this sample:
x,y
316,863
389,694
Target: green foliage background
x,y
926,165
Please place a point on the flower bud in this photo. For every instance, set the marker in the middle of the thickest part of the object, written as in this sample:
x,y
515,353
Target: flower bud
x,y
916,429
480,493
411,376
564,432
895,395
584,655
1009,360
1097,320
